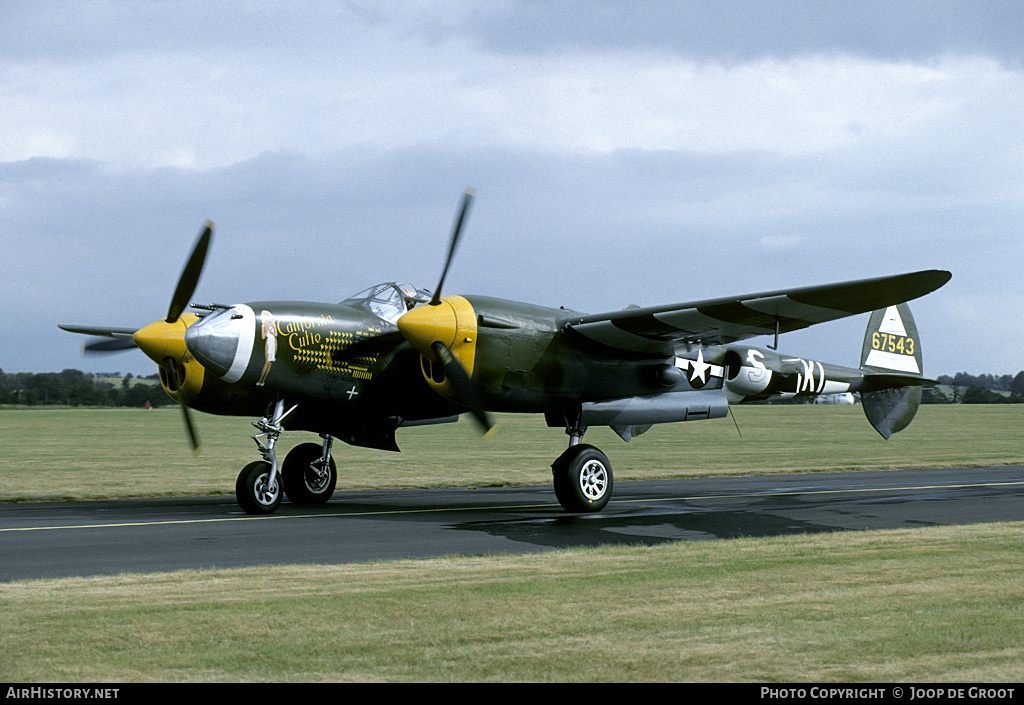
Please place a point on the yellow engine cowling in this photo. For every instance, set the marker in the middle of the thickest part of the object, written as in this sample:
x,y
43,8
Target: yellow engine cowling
x,y
164,343
451,322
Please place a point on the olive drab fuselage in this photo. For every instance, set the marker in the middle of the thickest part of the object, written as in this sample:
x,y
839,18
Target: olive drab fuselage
x,y
356,377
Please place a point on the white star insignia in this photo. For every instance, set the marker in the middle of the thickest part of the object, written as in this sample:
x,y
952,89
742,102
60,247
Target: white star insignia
x,y
700,368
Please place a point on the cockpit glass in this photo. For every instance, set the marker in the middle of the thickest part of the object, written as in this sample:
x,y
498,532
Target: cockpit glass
x,y
388,301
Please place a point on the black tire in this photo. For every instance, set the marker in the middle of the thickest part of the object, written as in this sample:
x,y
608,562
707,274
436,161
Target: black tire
x,y
582,478
304,482
251,490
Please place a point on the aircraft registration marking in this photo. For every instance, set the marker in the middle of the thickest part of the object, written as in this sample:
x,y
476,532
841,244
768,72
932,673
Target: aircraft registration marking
x,y
887,342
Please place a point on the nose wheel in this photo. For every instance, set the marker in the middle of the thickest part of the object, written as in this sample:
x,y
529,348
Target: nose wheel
x,y
582,475
256,490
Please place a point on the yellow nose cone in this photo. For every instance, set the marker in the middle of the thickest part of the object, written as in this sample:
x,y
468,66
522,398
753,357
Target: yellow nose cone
x,y
160,339
426,324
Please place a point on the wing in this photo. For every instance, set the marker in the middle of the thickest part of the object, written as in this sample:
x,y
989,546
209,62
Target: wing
x,y
666,329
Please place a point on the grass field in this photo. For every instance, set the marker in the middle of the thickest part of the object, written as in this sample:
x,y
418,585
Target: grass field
x,y
941,604
59,454
915,606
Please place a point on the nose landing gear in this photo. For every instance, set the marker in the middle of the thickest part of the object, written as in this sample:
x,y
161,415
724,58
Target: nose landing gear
x,y
308,476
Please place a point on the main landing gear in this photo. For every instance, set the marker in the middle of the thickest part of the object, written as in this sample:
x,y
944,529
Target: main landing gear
x,y
308,476
582,475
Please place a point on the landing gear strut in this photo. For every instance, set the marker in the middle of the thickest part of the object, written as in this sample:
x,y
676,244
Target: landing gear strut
x,y
308,476
582,475
258,487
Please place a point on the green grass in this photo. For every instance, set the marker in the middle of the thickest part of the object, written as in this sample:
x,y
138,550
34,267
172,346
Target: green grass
x,y
927,605
60,454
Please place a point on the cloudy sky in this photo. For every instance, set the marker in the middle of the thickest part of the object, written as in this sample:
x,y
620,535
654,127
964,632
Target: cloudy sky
x,y
622,152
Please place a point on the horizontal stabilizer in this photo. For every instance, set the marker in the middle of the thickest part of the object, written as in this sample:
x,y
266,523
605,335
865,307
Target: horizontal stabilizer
x,y
873,382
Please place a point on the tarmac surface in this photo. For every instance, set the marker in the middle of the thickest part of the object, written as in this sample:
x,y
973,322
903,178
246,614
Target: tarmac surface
x,y
65,539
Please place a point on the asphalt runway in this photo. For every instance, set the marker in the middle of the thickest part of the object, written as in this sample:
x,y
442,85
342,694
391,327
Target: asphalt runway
x,y
152,535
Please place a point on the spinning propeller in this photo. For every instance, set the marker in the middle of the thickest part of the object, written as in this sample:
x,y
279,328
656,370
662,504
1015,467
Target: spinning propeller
x,y
163,341
190,275
436,328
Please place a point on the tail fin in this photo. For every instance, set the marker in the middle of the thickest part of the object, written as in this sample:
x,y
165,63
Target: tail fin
x,y
891,363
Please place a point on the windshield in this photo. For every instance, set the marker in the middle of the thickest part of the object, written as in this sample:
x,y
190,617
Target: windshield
x,y
388,301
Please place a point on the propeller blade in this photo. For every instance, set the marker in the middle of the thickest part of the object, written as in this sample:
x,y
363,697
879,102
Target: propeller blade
x,y
190,428
467,198
190,275
118,338
172,373
158,338
104,331
105,346
174,385
465,390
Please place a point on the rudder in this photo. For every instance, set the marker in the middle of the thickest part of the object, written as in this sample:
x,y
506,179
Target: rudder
x,y
892,365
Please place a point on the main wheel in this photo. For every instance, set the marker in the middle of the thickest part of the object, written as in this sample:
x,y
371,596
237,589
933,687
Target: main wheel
x,y
306,481
582,477
254,493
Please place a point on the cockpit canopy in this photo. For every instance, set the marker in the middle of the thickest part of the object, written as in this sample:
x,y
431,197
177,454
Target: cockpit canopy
x,y
389,300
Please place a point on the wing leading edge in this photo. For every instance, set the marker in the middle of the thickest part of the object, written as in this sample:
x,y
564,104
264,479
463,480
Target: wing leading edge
x,y
666,329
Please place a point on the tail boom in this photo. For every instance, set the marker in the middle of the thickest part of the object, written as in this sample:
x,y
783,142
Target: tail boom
x,y
889,378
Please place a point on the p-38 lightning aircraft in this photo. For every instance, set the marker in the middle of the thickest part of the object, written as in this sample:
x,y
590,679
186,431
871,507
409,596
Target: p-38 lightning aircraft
x,y
394,356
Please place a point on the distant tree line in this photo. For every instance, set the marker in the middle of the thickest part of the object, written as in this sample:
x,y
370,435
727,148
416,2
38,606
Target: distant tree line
x,y
1004,383
77,388
981,389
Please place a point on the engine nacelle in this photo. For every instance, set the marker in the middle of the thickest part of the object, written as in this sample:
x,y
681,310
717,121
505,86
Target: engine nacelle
x,y
748,375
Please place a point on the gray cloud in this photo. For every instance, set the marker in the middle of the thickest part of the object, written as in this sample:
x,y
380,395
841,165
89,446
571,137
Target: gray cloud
x,y
619,156
735,30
